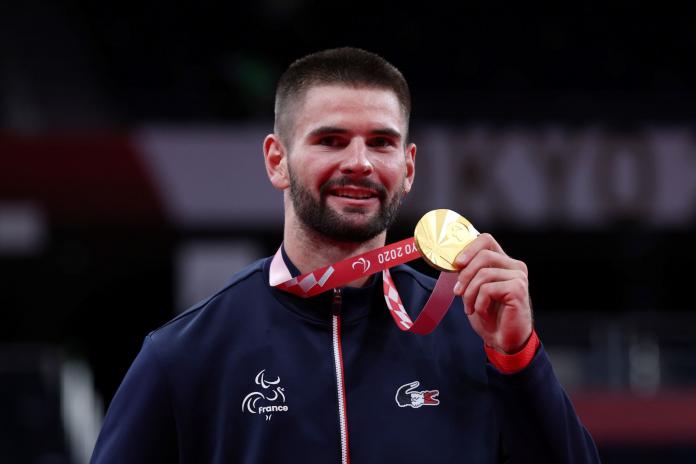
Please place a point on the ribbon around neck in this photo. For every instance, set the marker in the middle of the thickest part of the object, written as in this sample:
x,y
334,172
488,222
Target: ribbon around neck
x,y
353,268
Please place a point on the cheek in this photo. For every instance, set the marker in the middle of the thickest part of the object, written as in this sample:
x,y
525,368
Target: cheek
x,y
312,173
392,172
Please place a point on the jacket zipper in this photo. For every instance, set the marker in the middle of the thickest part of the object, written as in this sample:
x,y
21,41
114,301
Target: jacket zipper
x,y
340,384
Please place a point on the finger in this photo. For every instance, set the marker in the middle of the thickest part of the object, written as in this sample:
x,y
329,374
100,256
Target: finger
x,y
482,242
485,276
482,302
486,259
508,292
502,310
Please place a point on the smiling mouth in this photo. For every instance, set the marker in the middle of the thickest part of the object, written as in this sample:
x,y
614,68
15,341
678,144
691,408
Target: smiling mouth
x,y
351,194
353,189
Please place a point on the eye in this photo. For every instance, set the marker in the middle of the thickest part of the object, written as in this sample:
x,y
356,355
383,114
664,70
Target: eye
x,y
331,141
381,142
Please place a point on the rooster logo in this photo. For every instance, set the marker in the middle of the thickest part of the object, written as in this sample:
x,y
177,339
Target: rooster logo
x,y
268,394
406,396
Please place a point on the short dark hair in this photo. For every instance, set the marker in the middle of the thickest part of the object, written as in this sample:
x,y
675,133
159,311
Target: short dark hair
x,y
348,66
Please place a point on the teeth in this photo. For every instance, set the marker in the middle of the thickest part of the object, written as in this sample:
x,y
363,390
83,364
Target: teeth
x,y
354,196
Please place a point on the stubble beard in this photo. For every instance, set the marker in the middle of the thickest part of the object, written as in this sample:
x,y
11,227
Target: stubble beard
x,y
319,217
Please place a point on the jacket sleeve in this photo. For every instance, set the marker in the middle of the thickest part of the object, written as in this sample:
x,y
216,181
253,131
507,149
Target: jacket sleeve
x,y
139,426
538,421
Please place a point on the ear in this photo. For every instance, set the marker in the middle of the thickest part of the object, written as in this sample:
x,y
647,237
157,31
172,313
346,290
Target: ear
x,y
275,157
410,153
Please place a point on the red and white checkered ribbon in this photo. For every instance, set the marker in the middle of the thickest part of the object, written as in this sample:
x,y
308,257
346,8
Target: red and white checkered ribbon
x,y
380,259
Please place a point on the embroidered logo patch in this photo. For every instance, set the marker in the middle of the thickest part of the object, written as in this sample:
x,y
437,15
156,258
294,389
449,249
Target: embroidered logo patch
x,y
270,399
408,396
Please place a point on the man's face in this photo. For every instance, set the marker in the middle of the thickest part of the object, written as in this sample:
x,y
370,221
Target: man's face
x,y
349,168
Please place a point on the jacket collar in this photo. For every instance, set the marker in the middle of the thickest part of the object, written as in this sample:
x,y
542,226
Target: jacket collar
x,y
356,302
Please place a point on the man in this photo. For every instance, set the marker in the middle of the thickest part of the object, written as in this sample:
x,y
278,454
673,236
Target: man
x,y
258,374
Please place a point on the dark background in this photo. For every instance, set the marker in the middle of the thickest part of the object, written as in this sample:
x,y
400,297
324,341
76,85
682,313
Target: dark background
x,y
77,68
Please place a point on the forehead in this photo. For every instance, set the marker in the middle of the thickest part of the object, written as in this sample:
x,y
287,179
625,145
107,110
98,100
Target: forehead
x,y
349,107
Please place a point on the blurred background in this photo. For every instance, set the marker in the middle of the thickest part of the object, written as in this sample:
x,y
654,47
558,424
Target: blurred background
x,y
132,186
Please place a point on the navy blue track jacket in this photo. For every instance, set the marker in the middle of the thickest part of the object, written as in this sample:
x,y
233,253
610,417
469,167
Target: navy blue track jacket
x,y
257,375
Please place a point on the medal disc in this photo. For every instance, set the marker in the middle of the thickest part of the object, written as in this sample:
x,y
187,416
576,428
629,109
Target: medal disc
x,y
440,235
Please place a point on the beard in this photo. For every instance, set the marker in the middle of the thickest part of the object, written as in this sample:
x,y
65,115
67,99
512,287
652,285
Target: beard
x,y
319,217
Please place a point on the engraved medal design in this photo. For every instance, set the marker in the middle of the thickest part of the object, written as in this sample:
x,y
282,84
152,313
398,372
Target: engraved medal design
x,y
440,235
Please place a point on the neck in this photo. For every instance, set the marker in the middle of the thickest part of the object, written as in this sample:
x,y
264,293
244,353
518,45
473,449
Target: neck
x,y
309,250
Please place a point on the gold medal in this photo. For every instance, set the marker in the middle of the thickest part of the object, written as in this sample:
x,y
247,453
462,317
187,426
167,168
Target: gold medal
x,y
440,235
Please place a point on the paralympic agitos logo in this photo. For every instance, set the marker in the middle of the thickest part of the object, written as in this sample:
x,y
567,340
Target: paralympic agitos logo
x,y
363,263
257,402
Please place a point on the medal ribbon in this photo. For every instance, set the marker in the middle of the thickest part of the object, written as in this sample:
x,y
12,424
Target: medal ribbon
x,y
356,267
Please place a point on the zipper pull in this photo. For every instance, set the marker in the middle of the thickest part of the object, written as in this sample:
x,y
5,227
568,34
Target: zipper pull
x,y
337,301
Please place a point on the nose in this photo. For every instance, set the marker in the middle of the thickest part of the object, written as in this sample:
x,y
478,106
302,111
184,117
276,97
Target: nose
x,y
356,160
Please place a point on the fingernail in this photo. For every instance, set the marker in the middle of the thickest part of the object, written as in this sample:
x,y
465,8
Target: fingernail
x,y
461,259
457,288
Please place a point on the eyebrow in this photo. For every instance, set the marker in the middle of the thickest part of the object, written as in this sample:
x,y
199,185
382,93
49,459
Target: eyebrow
x,y
339,130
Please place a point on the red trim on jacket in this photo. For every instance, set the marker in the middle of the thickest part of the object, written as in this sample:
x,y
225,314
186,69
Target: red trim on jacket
x,y
511,363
